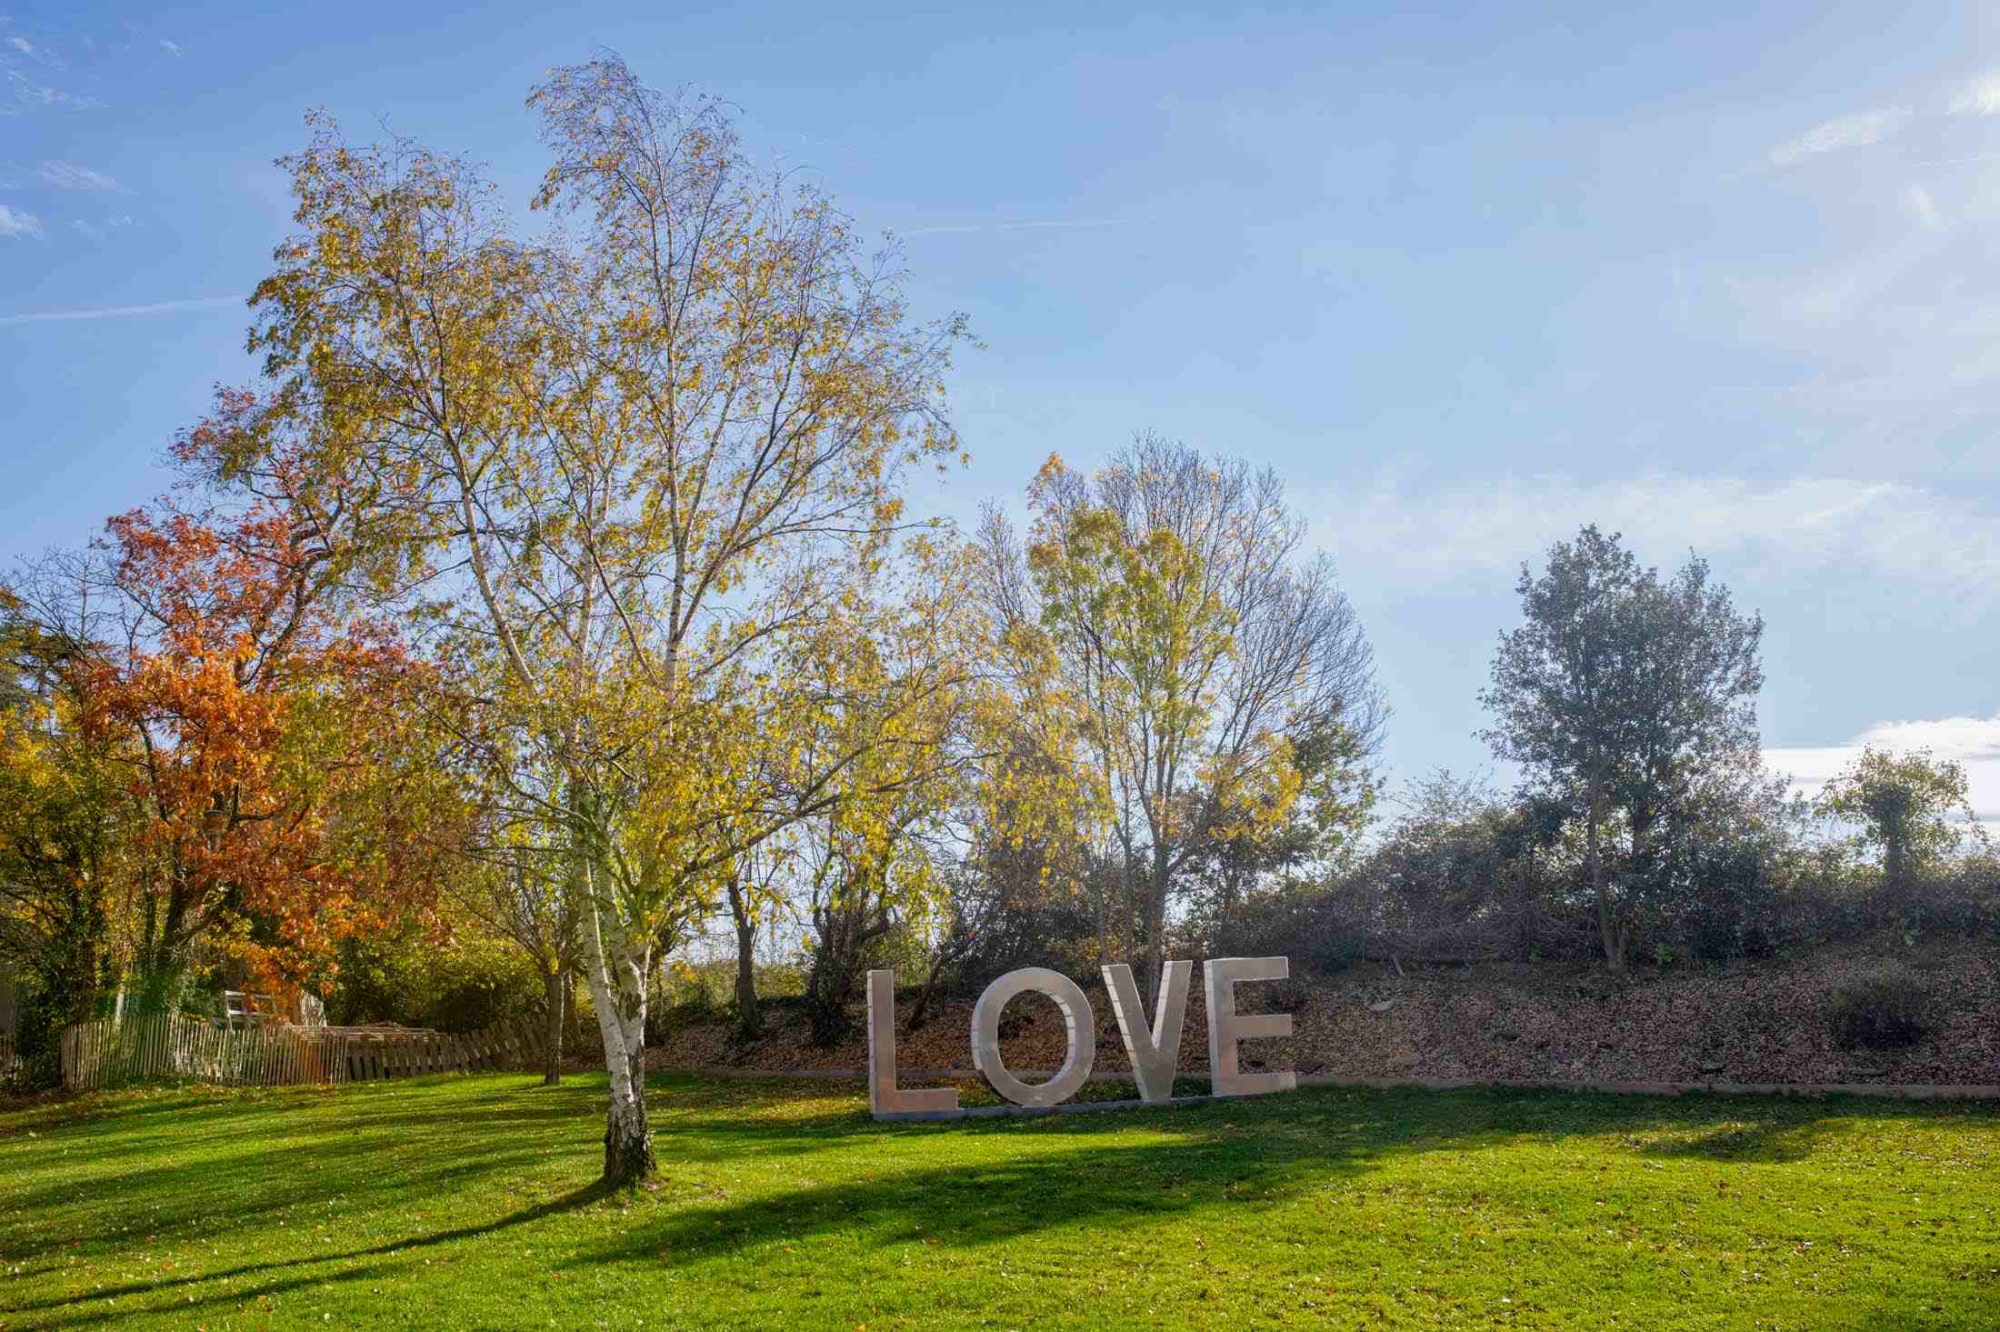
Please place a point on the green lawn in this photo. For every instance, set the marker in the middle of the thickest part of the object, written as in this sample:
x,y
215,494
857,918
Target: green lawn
x,y
465,1202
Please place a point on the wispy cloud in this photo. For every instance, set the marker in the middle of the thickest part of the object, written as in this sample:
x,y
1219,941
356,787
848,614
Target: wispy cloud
x,y
1971,741
70,176
1924,208
1478,533
41,55
120,311
1980,99
99,230
1053,224
15,222
29,93
1858,130
171,48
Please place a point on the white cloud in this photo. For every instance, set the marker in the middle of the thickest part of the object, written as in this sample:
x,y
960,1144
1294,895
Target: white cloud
x,y
1980,99
22,45
1924,207
1971,741
1853,131
1477,532
14,222
70,176
171,48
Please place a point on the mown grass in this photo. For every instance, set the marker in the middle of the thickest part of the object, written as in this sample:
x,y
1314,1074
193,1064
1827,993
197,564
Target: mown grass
x,y
467,1202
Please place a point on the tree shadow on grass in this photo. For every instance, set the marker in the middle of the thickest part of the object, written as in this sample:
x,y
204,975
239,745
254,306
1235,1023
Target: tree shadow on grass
x,y
1083,1171
1759,1142
973,1183
1729,1130
976,1204
194,1170
89,1308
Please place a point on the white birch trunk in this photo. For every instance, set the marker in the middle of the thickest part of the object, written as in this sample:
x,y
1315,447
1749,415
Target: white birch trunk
x,y
618,991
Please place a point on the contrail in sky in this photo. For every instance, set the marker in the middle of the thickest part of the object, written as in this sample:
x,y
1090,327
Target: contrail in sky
x,y
1008,226
120,311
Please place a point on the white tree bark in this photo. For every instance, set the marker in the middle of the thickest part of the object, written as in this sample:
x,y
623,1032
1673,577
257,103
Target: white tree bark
x,y
617,978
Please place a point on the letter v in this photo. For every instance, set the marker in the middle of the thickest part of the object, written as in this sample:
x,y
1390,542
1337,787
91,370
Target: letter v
x,y
1155,1054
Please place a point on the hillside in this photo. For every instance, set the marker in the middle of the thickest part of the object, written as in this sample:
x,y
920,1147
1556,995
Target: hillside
x,y
1751,1022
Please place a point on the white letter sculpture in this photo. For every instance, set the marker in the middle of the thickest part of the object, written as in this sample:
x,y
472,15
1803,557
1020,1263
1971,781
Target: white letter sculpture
x,y
884,1096
1155,1054
1076,1012
1226,1026
1155,1051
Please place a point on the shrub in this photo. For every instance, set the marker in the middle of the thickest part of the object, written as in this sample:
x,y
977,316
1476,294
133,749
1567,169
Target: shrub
x,y
467,984
1290,996
37,1043
1307,925
1060,934
1880,1010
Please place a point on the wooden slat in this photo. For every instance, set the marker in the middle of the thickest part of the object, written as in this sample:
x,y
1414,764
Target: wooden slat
x,y
109,1052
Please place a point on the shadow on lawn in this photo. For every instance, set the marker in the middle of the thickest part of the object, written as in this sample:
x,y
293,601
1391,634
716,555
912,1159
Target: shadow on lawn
x,y
333,1158
234,1161
79,1310
1074,1172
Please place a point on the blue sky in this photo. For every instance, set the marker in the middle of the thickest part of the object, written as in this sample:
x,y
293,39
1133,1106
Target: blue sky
x,y
1721,276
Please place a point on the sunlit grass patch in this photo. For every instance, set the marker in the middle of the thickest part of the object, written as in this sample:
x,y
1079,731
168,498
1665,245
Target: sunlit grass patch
x,y
468,1202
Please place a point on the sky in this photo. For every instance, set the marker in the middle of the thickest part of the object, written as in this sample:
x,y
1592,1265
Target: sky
x,y
1721,277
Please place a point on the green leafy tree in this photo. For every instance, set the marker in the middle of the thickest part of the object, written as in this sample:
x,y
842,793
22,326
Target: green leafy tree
x,y
1620,692
1912,808
65,826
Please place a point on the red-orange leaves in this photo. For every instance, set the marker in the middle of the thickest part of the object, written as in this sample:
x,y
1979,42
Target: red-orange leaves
x,y
266,753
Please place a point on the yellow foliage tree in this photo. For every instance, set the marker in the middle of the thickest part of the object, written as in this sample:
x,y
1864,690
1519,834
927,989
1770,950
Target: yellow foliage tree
x,y
1161,624
612,471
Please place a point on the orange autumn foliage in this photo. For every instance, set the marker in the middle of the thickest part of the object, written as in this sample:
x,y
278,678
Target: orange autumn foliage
x,y
282,807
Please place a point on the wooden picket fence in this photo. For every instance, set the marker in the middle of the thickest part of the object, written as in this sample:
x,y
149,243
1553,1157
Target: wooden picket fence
x,y
176,1047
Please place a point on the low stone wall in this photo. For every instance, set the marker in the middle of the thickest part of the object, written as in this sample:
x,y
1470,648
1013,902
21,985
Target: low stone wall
x,y
1757,1024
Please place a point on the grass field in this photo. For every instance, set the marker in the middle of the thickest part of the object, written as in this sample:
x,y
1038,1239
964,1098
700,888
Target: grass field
x,y
465,1202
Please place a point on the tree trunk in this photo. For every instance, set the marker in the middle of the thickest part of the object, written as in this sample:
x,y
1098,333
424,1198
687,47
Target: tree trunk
x,y
921,1010
1607,929
555,998
1103,918
1156,926
1895,865
1225,907
830,981
1524,920
628,1138
617,978
749,1016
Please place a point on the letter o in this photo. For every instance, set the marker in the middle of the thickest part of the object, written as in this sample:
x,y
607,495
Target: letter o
x,y
1076,1012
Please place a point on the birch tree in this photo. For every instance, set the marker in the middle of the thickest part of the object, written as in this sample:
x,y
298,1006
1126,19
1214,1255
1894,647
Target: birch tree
x,y
618,465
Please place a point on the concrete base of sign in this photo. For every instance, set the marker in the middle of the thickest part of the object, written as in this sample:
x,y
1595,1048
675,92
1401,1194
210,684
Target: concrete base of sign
x,y
1900,1091
1015,1111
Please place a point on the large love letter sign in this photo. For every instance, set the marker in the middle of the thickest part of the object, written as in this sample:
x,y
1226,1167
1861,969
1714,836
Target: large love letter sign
x,y
1154,1050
